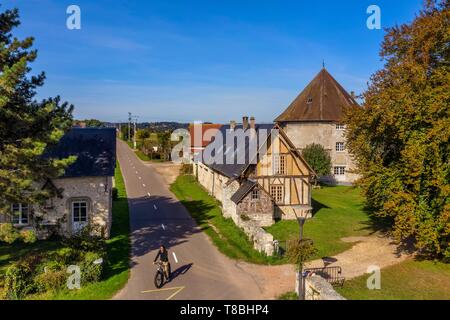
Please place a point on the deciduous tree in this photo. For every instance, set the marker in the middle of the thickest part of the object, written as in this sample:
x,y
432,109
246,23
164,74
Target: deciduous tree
x,y
400,137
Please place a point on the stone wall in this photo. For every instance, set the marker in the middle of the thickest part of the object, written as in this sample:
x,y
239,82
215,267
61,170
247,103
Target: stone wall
x,y
262,240
317,288
96,191
326,134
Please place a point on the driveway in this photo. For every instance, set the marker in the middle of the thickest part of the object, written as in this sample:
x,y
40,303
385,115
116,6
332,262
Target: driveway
x,y
157,217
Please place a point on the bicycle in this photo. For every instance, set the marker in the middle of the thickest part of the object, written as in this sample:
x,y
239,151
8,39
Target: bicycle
x,y
160,275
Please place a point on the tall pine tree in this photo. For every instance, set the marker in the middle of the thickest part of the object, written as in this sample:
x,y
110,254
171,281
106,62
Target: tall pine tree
x,y
401,136
27,126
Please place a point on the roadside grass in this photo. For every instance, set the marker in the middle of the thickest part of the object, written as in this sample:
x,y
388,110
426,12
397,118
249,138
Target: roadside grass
x,y
118,254
409,280
226,236
117,271
338,213
142,155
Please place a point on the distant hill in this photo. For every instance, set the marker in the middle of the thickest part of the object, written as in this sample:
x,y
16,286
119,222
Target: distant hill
x,y
154,126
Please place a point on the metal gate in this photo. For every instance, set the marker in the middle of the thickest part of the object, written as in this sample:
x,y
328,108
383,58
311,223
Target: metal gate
x,y
332,275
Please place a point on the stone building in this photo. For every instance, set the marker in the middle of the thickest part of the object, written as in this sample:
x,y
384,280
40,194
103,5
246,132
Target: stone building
x,y
83,195
315,116
259,187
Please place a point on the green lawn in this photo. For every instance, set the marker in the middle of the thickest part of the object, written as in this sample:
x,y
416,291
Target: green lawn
x,y
338,213
409,280
118,253
230,239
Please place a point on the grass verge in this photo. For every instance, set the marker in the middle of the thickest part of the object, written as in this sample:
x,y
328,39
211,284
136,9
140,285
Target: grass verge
x,y
409,280
338,213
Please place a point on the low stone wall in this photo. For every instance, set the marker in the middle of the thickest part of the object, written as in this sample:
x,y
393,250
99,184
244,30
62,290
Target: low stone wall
x,y
262,240
317,288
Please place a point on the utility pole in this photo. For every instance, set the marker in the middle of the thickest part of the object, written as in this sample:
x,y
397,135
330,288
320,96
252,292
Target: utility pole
x,y
129,126
134,133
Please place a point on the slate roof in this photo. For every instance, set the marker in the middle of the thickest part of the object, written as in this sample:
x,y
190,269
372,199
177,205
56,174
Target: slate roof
x,y
235,169
243,190
95,150
322,100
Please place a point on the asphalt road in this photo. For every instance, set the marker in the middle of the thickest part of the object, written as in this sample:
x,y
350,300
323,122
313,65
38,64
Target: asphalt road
x,y
201,272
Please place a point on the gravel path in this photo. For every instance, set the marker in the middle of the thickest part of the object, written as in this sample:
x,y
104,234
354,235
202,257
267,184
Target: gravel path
x,y
375,250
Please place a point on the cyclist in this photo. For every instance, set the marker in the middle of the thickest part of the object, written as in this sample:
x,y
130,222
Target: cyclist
x,y
163,255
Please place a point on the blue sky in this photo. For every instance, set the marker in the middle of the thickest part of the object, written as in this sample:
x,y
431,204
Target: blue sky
x,y
201,60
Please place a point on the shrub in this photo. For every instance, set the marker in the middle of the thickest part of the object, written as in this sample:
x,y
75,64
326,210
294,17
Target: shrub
x,y
66,256
50,280
91,267
89,239
318,158
299,251
18,281
28,236
8,233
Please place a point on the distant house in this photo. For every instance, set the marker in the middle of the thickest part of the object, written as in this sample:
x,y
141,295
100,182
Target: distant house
x,y
199,133
315,116
83,195
256,192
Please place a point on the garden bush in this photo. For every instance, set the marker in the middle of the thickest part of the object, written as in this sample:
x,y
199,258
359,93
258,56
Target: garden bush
x,y
43,273
8,233
18,281
28,236
91,267
50,280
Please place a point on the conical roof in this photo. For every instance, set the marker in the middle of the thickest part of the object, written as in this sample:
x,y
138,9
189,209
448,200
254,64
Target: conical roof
x,y
322,100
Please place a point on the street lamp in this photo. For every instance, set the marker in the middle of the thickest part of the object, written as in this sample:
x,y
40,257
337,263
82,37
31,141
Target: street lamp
x,y
301,279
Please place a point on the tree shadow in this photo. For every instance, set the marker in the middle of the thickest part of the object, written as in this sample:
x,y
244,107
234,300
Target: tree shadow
x,y
317,206
157,221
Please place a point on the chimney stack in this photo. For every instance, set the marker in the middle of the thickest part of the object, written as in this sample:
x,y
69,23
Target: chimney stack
x,y
252,123
232,125
245,123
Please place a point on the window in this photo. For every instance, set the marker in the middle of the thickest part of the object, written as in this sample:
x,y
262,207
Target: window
x,y
20,214
340,147
279,164
79,211
276,192
310,101
255,194
339,171
340,127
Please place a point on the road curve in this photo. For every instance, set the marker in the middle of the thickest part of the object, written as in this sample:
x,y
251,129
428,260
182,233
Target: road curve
x,y
157,217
